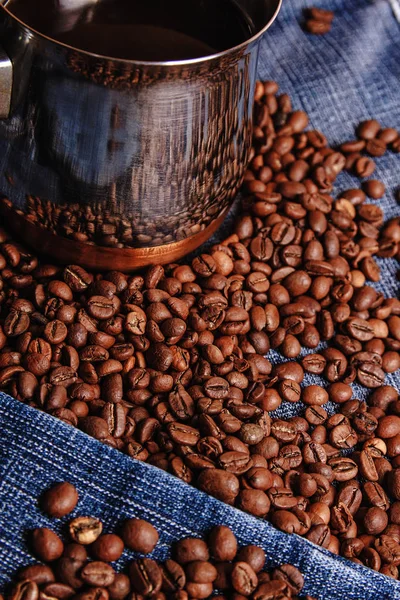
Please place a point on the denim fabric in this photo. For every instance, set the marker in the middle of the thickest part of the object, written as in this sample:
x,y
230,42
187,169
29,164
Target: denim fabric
x,y
37,451
353,73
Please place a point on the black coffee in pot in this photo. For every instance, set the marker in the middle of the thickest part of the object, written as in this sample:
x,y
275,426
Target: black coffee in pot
x,y
153,30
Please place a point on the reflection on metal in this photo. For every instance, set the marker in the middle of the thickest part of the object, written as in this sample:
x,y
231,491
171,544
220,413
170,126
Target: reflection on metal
x,y
6,76
119,153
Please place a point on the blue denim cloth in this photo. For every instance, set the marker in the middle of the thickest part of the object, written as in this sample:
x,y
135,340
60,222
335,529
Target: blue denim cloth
x,y
37,451
353,73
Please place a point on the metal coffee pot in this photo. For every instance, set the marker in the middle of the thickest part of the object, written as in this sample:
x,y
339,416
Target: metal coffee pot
x,y
113,163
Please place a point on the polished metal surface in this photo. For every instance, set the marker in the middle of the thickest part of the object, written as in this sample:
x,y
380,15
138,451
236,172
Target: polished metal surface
x,y
125,154
6,78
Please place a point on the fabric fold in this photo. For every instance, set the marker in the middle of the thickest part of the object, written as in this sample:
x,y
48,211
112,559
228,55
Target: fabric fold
x,y
36,451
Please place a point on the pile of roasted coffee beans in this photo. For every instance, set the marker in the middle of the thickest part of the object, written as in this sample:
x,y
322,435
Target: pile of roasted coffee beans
x,y
171,366
318,20
80,569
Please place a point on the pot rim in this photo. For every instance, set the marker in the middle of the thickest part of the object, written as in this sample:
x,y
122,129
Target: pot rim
x,y
168,63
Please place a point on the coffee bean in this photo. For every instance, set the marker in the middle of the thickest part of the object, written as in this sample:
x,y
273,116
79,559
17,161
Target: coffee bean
x,y
46,544
375,520
314,363
107,547
314,395
286,521
201,572
40,574
98,573
244,579
136,321
95,426
320,535
25,590
252,555
139,535
364,167
60,290
58,590
204,265
100,307
235,462
376,495
77,278
16,323
173,576
59,500
256,502
55,332
85,530
370,375
374,188
191,549
222,544
376,147
368,130
93,594
291,576
199,590
360,329
219,483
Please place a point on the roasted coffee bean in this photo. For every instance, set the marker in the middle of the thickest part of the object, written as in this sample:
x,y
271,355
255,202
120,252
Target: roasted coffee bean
x,y
25,590
376,495
107,547
374,189
191,549
139,535
46,544
343,468
219,483
173,576
314,395
145,576
314,363
85,530
100,307
222,544
320,535
244,579
40,574
388,426
98,574
77,278
58,590
59,500
256,502
291,576
370,375
201,572
252,555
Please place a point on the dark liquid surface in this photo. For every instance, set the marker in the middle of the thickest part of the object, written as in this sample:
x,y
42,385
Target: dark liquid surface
x,y
153,30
